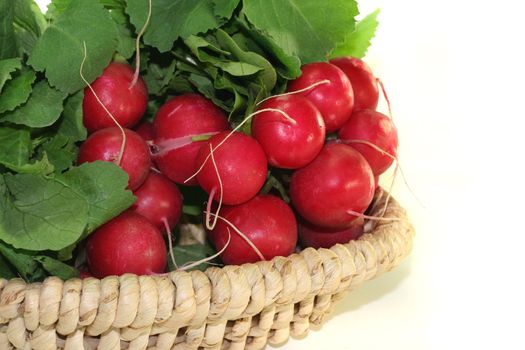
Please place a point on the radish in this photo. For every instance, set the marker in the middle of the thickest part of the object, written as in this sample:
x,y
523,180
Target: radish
x,y
335,186
288,145
364,83
106,145
181,125
146,131
159,200
267,222
126,104
335,99
374,135
376,181
240,170
128,243
317,237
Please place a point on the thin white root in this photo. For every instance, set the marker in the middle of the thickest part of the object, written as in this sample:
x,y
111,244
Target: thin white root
x,y
398,166
212,194
123,145
137,48
170,242
369,217
188,266
243,236
284,114
383,90
321,82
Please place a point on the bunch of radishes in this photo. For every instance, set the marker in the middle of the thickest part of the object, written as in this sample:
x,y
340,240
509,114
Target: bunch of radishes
x,y
191,143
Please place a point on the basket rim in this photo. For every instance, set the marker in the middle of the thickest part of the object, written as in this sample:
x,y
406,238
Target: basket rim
x,y
247,305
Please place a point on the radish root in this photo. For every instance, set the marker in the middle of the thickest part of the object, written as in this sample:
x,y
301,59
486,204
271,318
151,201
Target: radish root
x,y
137,48
284,114
212,194
321,82
243,236
190,265
383,90
170,242
123,145
398,167
374,218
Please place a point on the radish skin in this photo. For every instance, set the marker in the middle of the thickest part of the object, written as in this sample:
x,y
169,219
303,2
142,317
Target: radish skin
x,y
127,105
158,199
318,237
241,163
182,118
128,243
334,100
105,145
289,146
376,129
267,221
364,83
338,180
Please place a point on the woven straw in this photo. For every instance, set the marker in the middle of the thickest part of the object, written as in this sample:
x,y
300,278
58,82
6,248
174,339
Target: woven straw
x,y
234,307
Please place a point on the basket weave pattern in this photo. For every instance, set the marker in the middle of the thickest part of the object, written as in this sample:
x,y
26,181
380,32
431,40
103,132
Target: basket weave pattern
x,y
234,307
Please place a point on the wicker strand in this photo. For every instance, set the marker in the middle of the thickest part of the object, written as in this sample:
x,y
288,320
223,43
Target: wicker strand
x,y
234,307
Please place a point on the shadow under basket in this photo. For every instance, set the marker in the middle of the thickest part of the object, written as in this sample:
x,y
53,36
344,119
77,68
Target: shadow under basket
x,y
234,307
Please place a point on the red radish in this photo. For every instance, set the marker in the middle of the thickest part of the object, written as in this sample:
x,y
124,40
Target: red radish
x,y
376,181
335,99
84,273
317,237
127,105
128,243
106,144
178,123
336,182
241,164
288,145
158,200
378,131
146,131
364,83
267,221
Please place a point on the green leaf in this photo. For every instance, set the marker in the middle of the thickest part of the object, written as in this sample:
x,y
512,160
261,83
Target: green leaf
x,y
38,213
57,268
56,8
8,47
194,210
191,253
267,74
287,65
17,91
103,185
41,166
125,37
60,50
357,42
61,152
158,76
29,24
307,28
71,123
171,19
18,142
7,67
42,109
224,8
22,261
5,270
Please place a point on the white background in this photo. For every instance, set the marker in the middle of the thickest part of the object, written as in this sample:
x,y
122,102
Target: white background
x,y
455,77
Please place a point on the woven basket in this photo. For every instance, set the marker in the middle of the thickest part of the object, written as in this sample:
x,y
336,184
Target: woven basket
x,y
234,307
